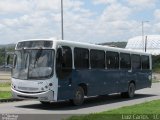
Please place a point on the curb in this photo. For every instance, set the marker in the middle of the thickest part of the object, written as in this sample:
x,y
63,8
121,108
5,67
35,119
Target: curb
x,y
9,100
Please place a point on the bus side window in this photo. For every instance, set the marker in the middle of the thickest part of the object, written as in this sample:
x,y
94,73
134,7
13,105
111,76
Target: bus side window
x,y
64,62
81,58
125,61
145,62
136,61
97,59
112,60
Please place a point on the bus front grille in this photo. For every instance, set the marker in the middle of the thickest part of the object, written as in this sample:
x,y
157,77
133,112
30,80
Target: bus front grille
x,y
27,88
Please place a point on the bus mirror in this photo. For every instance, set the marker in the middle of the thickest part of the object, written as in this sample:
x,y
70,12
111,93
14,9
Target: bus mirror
x,y
7,64
8,60
14,60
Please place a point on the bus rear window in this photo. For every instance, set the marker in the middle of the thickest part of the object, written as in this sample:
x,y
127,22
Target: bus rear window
x,y
136,61
145,62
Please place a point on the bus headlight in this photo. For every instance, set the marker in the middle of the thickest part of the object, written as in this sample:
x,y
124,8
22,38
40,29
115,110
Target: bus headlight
x,y
150,77
13,86
50,84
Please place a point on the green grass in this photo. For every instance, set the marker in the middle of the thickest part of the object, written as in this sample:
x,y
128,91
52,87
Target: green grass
x,y
146,109
5,90
5,94
6,84
155,81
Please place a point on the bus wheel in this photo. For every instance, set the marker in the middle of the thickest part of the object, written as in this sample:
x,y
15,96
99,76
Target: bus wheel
x,y
45,103
131,91
78,96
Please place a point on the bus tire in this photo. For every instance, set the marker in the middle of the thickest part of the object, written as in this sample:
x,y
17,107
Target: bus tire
x,y
78,96
131,91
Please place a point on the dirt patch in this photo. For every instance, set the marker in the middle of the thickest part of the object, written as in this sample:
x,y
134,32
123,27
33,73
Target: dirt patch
x,y
156,76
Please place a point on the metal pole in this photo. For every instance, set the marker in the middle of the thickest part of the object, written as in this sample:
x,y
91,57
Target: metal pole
x,y
62,20
143,41
142,35
146,44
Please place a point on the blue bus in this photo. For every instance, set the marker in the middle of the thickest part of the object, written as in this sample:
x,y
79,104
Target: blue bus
x,y
53,70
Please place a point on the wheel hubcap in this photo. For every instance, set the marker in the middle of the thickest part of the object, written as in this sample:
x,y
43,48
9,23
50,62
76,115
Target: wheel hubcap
x,y
78,96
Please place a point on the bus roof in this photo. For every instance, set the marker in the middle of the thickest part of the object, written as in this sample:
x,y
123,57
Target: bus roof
x,y
87,45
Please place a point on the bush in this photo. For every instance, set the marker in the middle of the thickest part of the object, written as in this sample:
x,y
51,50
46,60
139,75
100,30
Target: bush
x,y
156,63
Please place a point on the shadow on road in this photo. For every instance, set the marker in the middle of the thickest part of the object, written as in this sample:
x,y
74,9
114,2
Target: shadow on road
x,y
89,102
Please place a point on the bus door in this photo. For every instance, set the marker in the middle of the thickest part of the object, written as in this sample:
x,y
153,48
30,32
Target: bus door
x,y
63,71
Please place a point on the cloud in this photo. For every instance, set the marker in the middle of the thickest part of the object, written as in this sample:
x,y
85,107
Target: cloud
x,y
13,6
156,26
113,20
115,12
27,19
119,30
47,4
43,20
157,14
2,26
142,4
104,1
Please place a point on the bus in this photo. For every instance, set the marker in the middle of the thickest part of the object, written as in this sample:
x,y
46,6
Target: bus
x,y
55,70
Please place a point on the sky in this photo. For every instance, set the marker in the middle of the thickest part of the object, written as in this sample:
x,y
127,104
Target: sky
x,y
91,21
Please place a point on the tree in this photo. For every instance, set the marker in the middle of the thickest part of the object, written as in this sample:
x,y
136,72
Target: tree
x,y
2,56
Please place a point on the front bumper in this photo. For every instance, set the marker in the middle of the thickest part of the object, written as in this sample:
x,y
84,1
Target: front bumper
x,y
43,96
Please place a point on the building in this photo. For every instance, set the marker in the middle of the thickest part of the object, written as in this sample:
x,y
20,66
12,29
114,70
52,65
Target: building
x,y
150,44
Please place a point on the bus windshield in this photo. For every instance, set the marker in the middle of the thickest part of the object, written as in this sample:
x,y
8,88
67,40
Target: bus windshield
x,y
33,64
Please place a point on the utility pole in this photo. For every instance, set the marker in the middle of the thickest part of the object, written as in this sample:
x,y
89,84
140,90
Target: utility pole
x,y
142,35
62,33
143,41
146,44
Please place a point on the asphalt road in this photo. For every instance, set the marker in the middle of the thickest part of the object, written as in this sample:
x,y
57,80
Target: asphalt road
x,y
91,105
